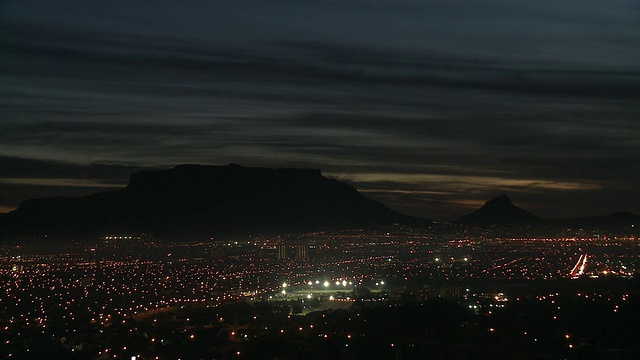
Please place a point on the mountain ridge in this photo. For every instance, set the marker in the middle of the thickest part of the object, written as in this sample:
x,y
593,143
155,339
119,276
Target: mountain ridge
x,y
501,212
203,200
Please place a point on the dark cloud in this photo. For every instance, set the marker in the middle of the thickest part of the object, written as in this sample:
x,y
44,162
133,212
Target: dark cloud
x,y
299,63
11,167
429,106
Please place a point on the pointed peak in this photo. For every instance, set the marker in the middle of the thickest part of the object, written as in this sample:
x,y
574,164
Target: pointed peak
x,y
501,199
499,211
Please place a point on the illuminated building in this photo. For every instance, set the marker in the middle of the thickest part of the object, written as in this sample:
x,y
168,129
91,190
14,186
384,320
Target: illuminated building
x,y
282,251
302,252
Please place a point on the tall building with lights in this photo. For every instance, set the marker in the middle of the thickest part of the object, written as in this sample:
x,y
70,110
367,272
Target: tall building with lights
x,y
302,252
282,251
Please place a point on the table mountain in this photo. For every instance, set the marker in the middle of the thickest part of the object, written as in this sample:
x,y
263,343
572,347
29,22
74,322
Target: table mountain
x,y
197,200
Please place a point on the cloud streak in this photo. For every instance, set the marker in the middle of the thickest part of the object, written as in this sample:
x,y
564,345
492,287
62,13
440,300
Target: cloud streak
x,y
428,106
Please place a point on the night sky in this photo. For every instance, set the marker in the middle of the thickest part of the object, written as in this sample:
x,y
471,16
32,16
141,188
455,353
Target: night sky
x,y
432,107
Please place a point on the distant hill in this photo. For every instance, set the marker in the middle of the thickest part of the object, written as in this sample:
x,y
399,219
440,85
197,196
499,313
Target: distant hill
x,y
501,212
197,200
619,220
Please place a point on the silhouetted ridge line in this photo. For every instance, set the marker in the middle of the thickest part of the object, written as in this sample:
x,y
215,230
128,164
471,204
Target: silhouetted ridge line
x,y
199,200
501,212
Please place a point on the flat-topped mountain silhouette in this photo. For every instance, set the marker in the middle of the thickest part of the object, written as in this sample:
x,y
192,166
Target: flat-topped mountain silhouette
x,y
197,200
501,212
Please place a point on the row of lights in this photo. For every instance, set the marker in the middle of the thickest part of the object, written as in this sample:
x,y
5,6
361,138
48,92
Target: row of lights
x,y
326,283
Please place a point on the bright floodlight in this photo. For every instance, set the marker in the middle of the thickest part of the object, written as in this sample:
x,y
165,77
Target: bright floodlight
x,y
344,282
326,283
337,282
381,282
284,285
317,281
310,283
309,296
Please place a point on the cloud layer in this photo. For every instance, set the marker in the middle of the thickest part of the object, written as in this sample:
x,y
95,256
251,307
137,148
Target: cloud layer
x,y
430,107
